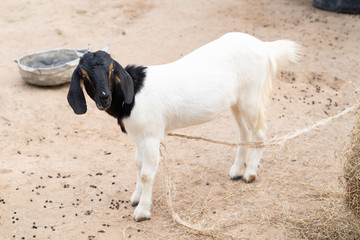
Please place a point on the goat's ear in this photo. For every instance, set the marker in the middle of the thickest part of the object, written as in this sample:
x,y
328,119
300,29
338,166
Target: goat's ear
x,y
126,83
75,95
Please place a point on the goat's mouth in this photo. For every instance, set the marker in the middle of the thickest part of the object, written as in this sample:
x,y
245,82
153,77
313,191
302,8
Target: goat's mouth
x,y
103,103
102,107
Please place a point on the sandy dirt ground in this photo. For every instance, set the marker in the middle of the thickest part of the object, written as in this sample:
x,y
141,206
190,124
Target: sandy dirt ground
x,y
64,176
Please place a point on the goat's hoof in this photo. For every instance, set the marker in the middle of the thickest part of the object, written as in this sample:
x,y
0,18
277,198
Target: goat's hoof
x,y
140,214
250,179
142,219
235,178
134,199
236,173
250,176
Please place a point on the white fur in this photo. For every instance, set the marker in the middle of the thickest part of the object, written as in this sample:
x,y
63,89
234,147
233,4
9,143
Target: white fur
x,y
234,72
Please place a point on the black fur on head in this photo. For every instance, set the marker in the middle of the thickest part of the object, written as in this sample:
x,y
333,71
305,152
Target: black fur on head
x,y
101,75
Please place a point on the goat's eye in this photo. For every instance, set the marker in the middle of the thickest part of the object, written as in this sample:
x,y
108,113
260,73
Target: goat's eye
x,y
81,74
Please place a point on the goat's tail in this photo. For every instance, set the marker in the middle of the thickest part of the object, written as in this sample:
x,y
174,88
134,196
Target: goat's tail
x,y
283,52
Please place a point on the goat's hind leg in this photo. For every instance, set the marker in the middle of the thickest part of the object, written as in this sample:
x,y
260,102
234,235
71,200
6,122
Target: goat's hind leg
x,y
238,168
257,126
255,157
252,128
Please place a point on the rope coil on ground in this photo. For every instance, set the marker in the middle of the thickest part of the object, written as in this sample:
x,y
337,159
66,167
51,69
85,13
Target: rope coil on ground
x,y
276,141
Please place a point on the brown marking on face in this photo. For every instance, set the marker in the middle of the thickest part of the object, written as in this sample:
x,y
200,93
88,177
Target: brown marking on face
x,y
117,80
111,69
86,75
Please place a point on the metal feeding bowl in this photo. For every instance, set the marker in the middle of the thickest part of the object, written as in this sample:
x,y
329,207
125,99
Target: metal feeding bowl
x,y
49,68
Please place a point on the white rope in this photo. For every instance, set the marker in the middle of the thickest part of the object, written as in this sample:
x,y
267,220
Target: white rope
x,y
276,141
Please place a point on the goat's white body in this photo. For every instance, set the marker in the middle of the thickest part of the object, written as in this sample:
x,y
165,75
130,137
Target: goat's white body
x,y
233,71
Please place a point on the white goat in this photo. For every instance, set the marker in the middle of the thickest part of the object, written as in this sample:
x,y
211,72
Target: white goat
x,y
234,71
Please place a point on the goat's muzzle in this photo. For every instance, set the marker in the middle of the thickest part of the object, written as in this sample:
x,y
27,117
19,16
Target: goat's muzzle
x,y
104,101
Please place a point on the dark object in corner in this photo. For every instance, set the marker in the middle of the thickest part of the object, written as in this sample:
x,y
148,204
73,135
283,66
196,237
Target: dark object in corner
x,y
343,6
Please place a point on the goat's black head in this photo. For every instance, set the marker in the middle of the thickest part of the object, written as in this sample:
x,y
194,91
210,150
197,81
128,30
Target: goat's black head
x,y
100,75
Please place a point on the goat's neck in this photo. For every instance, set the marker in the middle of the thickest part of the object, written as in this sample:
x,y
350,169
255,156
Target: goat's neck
x,y
118,108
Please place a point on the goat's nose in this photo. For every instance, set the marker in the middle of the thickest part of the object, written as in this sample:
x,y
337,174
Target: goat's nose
x,y
104,97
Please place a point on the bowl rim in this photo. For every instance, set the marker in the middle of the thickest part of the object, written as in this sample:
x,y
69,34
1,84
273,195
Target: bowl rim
x,y
67,64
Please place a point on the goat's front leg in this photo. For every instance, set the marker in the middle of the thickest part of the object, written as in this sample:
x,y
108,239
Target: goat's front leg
x,y
149,151
135,197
